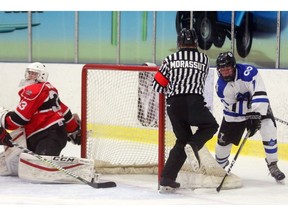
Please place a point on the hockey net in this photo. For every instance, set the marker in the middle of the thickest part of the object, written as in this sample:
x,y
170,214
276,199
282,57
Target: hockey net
x,y
125,129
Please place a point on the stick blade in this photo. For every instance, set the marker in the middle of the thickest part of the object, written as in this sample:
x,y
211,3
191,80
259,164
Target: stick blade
x,y
109,184
218,188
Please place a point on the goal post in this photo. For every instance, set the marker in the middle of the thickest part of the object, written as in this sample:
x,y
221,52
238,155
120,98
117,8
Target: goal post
x,y
125,128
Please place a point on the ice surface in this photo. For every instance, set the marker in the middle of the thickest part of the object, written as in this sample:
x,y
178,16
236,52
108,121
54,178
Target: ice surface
x,y
137,194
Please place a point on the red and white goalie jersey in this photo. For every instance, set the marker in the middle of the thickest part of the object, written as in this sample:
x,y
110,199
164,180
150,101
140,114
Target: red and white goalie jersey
x,y
38,109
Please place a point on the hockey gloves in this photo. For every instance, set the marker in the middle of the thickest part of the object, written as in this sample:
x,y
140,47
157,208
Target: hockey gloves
x,y
5,138
253,122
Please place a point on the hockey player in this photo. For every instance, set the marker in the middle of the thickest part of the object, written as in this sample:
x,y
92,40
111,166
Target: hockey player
x,y
45,121
246,105
182,77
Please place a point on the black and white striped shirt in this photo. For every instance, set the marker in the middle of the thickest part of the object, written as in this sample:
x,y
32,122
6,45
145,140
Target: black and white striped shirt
x,y
183,72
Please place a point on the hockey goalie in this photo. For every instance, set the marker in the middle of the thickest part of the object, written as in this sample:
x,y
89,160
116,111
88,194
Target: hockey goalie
x,y
43,124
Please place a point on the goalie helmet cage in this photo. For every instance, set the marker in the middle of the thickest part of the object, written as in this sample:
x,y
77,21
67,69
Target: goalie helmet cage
x,y
125,128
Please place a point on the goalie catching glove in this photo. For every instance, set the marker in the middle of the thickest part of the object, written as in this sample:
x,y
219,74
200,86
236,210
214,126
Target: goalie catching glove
x,y
253,122
5,138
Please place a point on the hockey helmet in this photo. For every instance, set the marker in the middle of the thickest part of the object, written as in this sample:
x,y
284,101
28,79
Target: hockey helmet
x,y
39,68
187,37
224,60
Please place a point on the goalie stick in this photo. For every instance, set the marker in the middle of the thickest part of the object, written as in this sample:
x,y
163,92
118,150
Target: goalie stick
x,y
233,161
108,184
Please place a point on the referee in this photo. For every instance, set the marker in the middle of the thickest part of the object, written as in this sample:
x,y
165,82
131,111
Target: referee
x,y
182,77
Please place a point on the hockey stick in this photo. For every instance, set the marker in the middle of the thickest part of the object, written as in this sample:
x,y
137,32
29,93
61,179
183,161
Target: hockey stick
x,y
280,120
108,184
233,161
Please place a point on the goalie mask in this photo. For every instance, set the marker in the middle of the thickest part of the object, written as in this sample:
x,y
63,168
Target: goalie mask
x,y
35,72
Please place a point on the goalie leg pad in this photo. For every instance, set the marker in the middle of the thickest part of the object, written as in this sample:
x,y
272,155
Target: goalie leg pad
x,y
3,166
192,158
10,157
37,171
208,175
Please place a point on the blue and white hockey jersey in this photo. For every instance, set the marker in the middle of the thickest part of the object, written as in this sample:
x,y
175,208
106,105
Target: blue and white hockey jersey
x,y
246,93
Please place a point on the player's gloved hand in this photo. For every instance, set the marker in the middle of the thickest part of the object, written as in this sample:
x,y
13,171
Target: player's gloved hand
x,y
253,122
75,136
243,97
5,138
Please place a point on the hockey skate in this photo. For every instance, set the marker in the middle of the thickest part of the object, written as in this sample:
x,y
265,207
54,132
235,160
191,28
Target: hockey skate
x,y
168,185
275,172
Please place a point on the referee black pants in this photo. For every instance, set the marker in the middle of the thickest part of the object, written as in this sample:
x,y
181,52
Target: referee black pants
x,y
185,111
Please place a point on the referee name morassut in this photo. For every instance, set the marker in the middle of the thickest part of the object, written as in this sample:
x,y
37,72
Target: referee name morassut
x,y
187,64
